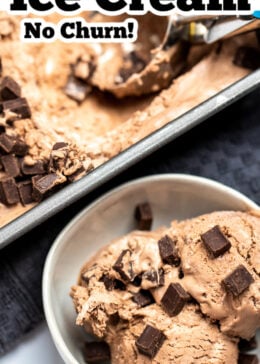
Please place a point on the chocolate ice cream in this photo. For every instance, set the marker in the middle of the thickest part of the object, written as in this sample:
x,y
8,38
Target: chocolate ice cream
x,y
62,99
119,307
184,294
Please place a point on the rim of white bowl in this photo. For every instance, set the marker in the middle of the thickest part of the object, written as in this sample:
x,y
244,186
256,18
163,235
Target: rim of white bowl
x,y
58,242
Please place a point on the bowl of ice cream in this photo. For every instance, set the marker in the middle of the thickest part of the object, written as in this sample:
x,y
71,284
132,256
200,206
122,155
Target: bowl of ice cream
x,y
203,249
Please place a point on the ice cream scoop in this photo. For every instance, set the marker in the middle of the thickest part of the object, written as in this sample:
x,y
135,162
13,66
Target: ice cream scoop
x,y
168,59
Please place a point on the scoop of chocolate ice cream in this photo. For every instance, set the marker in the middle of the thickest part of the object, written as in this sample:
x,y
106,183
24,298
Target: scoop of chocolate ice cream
x,y
127,287
220,255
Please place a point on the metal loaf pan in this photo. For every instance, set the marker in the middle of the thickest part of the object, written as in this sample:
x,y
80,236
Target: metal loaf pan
x,y
126,159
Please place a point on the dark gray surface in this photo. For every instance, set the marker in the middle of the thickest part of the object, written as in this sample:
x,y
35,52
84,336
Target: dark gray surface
x,y
125,160
225,148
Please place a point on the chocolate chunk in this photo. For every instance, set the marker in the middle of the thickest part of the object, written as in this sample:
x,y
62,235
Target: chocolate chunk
x,y
6,143
114,319
150,341
112,283
36,195
143,298
77,89
25,191
77,175
123,266
19,107
96,352
11,165
9,89
137,281
20,148
247,359
168,251
144,217
247,57
47,183
8,192
247,345
215,242
154,277
60,145
238,281
174,299
34,169
108,282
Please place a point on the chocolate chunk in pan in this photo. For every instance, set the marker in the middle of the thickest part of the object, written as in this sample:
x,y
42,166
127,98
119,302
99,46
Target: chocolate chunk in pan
x,y
168,251
6,143
96,352
9,89
144,216
215,242
123,266
247,359
174,299
36,195
25,191
19,109
58,157
8,192
247,57
35,169
143,298
154,278
48,183
238,281
77,89
77,175
247,345
11,165
20,148
150,341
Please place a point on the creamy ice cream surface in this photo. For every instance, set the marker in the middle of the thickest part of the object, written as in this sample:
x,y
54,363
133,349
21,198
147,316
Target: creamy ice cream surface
x,y
65,88
183,294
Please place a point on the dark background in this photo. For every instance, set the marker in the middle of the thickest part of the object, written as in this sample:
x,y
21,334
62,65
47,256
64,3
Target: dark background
x,y
226,148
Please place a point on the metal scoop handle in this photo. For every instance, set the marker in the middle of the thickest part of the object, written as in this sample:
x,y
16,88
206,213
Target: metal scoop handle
x,y
209,29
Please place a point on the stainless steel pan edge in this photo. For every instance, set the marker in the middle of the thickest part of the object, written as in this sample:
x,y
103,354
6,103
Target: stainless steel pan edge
x,y
126,159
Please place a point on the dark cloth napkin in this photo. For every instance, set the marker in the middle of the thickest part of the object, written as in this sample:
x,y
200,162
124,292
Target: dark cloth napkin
x,y
226,148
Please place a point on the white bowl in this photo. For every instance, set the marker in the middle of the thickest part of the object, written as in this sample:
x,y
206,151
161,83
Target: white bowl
x,y
171,196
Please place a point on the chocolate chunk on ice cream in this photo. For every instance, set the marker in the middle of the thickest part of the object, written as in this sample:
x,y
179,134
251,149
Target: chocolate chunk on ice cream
x,y
144,216
238,281
150,341
96,352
